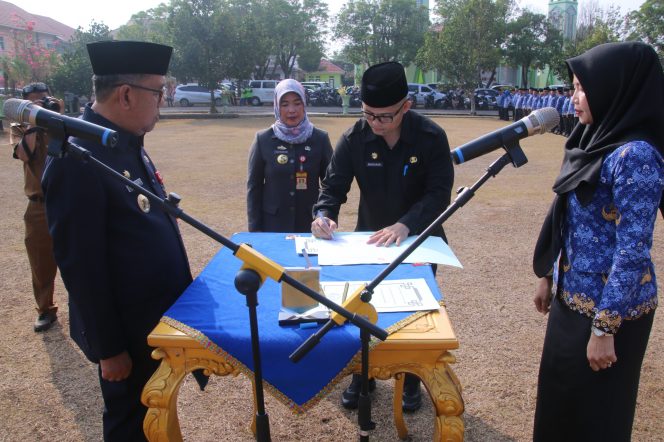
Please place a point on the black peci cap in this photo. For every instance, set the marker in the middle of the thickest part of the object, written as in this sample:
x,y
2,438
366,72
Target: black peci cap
x,y
384,84
129,57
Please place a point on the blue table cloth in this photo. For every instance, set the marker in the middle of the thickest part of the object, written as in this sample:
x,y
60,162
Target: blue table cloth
x,y
212,312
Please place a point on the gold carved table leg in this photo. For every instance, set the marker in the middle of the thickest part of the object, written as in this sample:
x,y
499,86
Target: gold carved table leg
x,y
444,389
160,394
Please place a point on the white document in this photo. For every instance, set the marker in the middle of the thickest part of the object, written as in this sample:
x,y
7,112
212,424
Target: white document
x,y
309,243
398,295
351,248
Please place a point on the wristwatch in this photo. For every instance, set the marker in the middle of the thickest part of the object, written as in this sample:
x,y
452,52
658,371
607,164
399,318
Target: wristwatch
x,y
598,332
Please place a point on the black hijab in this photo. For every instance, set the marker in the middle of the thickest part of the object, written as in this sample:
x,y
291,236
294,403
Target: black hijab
x,y
624,86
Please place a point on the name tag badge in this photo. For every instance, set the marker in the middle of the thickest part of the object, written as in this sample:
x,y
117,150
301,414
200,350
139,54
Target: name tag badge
x,y
300,180
374,164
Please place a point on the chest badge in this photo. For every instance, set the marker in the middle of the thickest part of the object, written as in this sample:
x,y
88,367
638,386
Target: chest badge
x,y
412,160
374,155
307,148
281,148
126,174
282,159
143,203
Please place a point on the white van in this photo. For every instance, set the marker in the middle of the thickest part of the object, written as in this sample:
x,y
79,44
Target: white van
x,y
262,91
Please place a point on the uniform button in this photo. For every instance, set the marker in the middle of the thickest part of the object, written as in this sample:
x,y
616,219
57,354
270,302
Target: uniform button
x,y
292,193
292,176
292,209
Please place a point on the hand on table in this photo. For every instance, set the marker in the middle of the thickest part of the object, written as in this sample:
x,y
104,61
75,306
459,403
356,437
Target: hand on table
x,y
395,233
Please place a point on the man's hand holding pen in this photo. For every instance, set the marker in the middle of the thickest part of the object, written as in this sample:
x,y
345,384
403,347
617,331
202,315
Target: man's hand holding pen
x,y
323,227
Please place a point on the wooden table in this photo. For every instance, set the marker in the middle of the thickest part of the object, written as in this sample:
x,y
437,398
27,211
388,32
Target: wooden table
x,y
422,348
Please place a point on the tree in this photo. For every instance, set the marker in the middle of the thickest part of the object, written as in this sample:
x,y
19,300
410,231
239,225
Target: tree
x,y
250,41
27,61
532,41
75,72
376,31
309,59
200,32
296,26
150,25
595,26
647,25
466,41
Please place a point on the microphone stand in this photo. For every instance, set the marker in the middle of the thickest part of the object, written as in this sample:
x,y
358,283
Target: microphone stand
x,y
255,270
514,155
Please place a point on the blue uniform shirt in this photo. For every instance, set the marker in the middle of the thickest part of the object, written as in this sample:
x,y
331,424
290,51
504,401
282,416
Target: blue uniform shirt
x,y
607,271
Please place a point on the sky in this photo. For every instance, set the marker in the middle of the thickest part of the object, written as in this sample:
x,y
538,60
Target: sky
x,y
115,13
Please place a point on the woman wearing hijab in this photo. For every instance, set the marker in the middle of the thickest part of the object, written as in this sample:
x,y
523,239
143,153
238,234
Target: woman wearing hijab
x,y
595,243
286,164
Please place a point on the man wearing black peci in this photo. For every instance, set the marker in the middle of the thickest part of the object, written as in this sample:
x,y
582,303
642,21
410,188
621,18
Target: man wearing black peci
x,y
401,161
122,261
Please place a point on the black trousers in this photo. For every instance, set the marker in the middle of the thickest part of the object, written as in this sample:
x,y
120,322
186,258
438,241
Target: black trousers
x,y
575,403
123,410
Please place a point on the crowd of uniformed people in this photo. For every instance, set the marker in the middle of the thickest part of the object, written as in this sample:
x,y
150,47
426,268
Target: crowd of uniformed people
x,y
523,101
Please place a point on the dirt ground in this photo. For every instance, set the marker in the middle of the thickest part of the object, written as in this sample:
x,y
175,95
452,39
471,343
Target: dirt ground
x,y
48,390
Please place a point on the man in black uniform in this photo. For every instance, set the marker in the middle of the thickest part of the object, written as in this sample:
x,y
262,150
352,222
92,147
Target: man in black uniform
x,y
122,262
401,161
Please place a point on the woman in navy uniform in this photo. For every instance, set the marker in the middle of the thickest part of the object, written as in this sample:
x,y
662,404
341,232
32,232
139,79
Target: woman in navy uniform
x,y
286,164
123,262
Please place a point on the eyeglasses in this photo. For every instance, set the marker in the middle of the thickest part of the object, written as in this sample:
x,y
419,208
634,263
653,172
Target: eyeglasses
x,y
383,118
35,87
159,92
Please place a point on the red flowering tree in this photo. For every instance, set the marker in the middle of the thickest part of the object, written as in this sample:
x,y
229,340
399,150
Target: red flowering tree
x,y
27,60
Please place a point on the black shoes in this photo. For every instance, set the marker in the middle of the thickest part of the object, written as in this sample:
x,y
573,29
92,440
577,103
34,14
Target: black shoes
x,y
351,395
45,320
412,394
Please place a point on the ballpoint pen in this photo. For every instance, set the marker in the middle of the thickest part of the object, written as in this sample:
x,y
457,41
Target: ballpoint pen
x,y
322,218
306,257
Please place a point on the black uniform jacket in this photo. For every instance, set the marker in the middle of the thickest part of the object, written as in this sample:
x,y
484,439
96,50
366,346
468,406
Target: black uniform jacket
x,y
410,183
275,200
122,266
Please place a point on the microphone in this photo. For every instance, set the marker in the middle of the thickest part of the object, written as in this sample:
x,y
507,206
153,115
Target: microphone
x,y
24,111
537,122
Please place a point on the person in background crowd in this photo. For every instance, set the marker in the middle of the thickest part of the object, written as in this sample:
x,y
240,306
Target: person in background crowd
x,y
170,94
597,279
505,101
245,98
123,262
32,150
286,163
518,103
